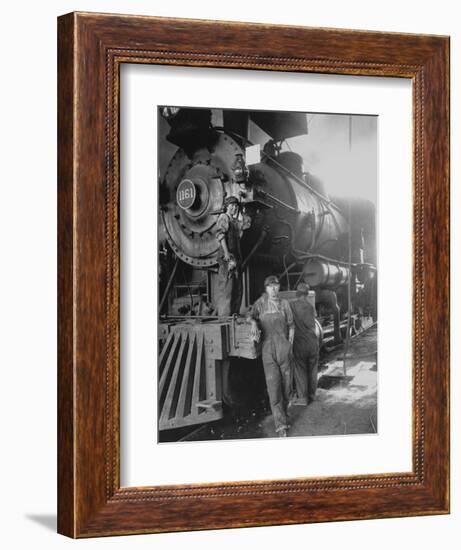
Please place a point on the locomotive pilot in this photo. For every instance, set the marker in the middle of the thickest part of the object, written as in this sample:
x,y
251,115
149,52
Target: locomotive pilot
x,y
275,320
305,346
229,231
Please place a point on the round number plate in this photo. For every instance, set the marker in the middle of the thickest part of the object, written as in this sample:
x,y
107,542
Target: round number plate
x,y
185,194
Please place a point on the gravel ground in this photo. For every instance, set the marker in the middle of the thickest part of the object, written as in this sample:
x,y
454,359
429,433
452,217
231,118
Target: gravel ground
x,y
341,407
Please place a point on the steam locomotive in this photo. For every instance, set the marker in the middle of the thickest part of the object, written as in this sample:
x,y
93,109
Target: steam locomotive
x,y
294,230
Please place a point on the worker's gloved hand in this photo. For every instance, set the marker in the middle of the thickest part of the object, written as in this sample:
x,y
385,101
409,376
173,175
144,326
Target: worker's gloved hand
x,y
255,333
231,264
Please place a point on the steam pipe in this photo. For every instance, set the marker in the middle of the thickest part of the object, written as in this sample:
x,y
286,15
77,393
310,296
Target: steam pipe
x,y
168,285
258,243
278,201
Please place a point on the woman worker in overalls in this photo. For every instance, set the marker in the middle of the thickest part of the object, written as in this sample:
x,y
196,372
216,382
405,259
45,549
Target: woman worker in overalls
x,y
275,319
229,229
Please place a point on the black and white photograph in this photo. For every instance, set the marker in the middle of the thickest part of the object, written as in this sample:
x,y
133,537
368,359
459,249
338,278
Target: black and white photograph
x,y
267,262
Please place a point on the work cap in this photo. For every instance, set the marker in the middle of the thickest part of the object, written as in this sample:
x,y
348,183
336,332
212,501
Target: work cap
x,y
271,280
302,288
230,200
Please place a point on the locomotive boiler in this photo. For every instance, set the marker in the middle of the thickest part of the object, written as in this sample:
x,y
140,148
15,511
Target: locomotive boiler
x,y
292,229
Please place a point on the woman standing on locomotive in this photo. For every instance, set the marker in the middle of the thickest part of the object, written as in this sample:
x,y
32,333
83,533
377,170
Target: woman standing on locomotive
x,y
228,233
275,318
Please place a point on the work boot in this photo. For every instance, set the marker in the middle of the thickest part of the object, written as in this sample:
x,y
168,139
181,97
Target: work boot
x,y
298,402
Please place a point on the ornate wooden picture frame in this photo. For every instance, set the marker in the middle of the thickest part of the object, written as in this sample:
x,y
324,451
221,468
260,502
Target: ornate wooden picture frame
x,y
92,48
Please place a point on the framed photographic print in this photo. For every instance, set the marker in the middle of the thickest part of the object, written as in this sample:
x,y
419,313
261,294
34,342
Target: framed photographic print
x,y
253,275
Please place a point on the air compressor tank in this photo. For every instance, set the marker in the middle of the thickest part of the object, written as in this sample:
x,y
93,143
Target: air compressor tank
x,y
319,273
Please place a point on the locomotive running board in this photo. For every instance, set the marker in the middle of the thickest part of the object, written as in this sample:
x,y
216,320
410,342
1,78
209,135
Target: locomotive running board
x,y
189,389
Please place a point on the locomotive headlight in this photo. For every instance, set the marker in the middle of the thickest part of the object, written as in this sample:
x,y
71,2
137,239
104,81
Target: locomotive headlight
x,y
240,169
